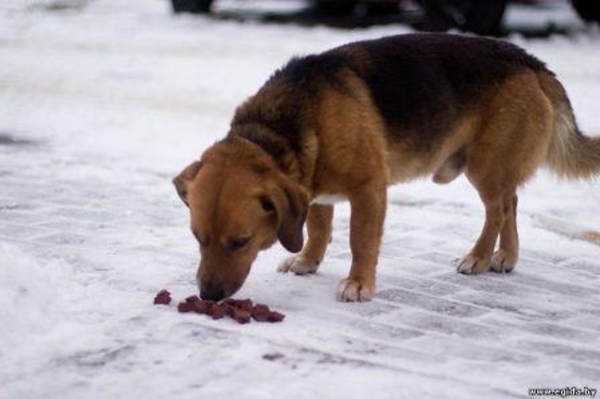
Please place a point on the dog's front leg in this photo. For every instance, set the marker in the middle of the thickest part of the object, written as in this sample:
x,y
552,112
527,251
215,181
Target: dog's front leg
x,y
367,207
318,224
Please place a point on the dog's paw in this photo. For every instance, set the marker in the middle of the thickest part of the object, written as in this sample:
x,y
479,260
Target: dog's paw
x,y
503,261
472,264
298,264
352,290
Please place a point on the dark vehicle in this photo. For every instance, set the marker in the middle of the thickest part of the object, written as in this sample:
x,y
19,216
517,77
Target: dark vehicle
x,y
483,17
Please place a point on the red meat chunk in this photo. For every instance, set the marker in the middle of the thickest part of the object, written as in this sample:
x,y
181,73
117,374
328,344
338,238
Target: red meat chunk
x,y
228,308
162,298
203,307
241,310
245,305
261,312
241,316
185,307
217,311
275,317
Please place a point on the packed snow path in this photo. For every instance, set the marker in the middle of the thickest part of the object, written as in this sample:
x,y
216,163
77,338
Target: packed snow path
x,y
100,106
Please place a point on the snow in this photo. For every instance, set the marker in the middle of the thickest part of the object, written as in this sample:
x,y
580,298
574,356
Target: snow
x,y
111,99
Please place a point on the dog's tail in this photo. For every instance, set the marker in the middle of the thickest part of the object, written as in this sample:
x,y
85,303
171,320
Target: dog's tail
x,y
571,154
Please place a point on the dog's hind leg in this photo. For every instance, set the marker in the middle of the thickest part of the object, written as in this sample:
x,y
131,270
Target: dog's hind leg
x,y
500,219
318,224
505,258
510,145
478,259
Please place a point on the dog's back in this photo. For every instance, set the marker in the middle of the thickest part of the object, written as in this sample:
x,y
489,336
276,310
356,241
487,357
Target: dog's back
x,y
420,83
423,83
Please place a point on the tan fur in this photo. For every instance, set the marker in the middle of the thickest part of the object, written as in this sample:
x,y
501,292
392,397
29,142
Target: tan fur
x,y
351,161
351,144
406,165
570,155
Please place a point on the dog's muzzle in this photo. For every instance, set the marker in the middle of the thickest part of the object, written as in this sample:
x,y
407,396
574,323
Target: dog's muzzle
x,y
212,293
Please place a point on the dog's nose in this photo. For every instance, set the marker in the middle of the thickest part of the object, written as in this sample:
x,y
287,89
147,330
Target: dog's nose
x,y
212,293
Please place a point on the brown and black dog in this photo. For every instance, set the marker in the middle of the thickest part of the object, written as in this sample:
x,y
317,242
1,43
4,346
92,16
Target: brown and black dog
x,y
349,122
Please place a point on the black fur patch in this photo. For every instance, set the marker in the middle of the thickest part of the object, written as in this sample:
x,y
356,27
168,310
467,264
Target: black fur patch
x,y
285,104
423,82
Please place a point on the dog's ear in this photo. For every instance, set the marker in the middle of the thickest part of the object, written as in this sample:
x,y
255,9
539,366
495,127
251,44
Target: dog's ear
x,y
291,204
185,178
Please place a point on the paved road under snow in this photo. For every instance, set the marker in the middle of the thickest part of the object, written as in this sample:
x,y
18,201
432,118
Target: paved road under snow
x,y
101,105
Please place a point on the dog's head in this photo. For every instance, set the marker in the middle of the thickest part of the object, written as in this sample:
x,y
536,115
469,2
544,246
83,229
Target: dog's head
x,y
240,203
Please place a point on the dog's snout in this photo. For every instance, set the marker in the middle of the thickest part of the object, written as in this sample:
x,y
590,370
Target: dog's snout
x,y
212,293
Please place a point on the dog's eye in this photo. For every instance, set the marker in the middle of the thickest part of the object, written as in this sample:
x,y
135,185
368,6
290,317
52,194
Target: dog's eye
x,y
237,243
267,204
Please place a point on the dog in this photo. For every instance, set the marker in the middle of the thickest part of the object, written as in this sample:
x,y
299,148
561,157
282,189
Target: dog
x,y
347,123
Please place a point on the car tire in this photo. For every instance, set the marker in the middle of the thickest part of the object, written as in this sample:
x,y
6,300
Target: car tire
x,y
335,7
588,10
383,8
477,16
192,6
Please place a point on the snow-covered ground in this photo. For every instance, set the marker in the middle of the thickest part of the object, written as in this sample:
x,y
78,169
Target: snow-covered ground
x,y
100,105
